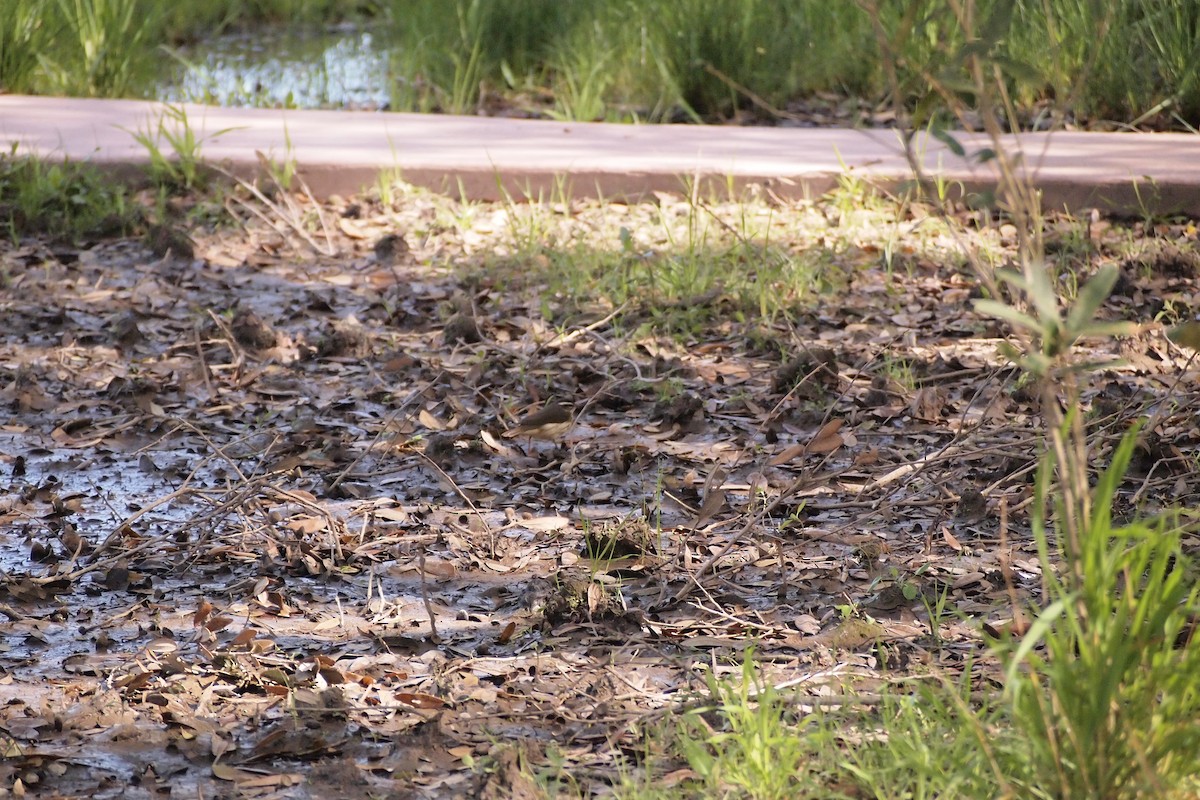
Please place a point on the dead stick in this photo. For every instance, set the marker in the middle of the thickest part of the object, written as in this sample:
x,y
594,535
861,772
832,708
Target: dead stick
x,y
413,395
736,539
433,634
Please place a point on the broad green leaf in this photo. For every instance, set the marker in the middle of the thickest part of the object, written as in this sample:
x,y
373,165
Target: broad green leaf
x,y
1040,628
1012,278
975,48
1107,329
943,136
1091,296
997,23
994,308
1042,296
1036,364
1186,334
1017,69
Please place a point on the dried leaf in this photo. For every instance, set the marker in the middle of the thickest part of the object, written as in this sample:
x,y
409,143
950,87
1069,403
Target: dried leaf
x,y
439,568
226,772
244,637
430,421
201,614
307,525
953,543
545,524
395,514
420,700
826,440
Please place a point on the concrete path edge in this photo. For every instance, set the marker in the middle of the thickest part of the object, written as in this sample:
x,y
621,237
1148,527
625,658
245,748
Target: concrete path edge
x,y
488,158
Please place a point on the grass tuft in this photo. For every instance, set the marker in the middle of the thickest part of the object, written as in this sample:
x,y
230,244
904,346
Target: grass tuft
x,y
70,200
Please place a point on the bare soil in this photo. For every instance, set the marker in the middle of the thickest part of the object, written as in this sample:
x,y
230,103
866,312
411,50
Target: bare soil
x,y
263,535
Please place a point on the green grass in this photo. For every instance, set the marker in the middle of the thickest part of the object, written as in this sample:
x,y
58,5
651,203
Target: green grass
x,y
23,35
106,47
753,749
698,263
68,199
173,144
1106,680
707,59
658,60
1099,699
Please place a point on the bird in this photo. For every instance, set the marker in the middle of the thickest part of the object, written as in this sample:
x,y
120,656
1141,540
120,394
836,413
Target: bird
x,y
390,249
549,424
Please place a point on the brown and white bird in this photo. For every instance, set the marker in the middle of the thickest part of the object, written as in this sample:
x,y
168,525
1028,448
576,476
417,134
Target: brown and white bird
x,y
549,424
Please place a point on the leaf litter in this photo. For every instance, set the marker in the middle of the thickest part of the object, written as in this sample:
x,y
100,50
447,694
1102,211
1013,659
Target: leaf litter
x,y
265,536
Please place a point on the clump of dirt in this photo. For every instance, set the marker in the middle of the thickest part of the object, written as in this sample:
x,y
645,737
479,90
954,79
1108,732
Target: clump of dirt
x,y
579,599
808,373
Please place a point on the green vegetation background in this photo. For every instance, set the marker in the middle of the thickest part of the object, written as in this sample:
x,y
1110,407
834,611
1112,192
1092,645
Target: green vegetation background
x,y
653,60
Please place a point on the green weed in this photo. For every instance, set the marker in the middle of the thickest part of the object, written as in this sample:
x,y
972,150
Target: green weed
x,y
65,200
25,35
1104,683
744,743
900,370
105,49
183,168
665,59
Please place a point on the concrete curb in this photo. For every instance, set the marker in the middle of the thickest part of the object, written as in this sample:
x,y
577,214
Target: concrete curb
x,y
483,157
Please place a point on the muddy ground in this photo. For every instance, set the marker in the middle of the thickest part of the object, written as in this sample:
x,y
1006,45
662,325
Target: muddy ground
x,y
263,534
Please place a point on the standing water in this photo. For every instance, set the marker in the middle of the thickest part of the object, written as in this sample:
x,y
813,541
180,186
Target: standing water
x,y
339,68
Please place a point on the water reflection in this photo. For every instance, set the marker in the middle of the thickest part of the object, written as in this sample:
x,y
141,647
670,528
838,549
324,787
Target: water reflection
x,y
344,68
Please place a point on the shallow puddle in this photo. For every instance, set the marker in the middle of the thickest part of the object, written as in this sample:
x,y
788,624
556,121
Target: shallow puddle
x,y
339,68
